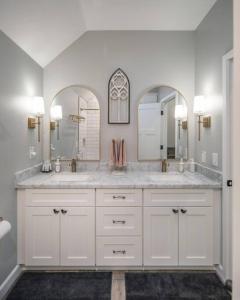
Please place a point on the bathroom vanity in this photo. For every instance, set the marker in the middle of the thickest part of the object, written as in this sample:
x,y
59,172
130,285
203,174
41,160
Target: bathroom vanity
x,y
139,220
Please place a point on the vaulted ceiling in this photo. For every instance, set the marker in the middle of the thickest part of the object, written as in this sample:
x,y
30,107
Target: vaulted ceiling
x,y
44,28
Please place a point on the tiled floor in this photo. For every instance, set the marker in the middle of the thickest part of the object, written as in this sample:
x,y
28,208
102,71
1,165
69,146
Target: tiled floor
x,y
167,285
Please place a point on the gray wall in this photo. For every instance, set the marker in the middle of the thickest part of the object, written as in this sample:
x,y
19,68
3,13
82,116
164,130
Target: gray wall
x,y
20,77
149,59
214,38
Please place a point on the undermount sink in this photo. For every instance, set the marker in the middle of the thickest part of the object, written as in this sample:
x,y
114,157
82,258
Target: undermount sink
x,y
167,177
71,177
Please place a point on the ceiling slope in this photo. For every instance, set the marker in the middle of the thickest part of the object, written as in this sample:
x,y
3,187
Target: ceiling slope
x,y
44,28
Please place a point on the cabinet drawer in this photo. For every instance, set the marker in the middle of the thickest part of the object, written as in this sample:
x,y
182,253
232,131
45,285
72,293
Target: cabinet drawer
x,y
119,197
119,221
119,251
177,197
60,197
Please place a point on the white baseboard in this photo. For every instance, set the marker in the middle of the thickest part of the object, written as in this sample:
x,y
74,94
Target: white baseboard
x,y
9,281
220,273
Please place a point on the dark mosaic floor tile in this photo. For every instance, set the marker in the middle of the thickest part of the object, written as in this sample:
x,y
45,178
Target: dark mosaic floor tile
x,y
175,286
63,286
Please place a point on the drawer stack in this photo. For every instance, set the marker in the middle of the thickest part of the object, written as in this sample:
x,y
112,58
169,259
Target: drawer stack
x,y
119,227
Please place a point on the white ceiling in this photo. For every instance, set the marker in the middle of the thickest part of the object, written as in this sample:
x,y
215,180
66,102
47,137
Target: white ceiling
x,y
44,28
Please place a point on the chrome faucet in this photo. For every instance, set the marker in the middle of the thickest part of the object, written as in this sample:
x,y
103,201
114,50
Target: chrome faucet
x,y
164,165
74,165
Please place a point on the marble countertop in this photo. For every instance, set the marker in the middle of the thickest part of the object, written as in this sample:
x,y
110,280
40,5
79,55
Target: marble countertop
x,y
101,179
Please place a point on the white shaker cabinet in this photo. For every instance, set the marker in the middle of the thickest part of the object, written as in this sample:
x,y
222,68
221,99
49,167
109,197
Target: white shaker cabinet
x,y
196,236
42,236
160,236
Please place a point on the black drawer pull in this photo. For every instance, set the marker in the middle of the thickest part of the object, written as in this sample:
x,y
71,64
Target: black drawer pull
x,y
119,222
119,251
63,211
119,197
183,211
56,211
175,211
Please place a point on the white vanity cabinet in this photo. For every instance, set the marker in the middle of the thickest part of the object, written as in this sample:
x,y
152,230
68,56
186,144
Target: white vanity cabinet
x,y
119,227
59,228
180,228
124,228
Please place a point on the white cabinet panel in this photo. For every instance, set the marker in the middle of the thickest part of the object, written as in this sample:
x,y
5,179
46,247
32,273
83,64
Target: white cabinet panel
x,y
160,236
196,236
118,197
42,236
119,251
177,197
77,236
119,221
60,197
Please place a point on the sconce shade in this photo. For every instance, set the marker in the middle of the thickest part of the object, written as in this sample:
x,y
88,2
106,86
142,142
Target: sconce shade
x,y
37,106
56,112
199,105
180,112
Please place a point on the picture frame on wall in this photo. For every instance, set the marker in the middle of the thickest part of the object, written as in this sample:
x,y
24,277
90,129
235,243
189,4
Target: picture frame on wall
x,y
119,98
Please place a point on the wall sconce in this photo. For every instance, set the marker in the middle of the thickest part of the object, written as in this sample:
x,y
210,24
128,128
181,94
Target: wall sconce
x,y
37,111
199,108
180,114
56,116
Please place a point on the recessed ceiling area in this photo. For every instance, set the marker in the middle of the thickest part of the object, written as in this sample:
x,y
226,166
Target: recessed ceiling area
x,y
44,28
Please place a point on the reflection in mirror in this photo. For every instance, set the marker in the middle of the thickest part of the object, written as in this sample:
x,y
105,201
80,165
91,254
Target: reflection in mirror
x,y
75,125
162,125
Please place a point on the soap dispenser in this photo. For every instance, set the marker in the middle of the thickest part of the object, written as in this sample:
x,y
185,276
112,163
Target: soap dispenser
x,y
181,166
58,166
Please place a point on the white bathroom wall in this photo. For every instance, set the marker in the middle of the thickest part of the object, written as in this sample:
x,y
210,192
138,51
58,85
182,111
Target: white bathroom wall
x,y
20,78
149,59
214,38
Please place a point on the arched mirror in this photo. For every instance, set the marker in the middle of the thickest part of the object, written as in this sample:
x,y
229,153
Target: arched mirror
x,y
75,125
162,125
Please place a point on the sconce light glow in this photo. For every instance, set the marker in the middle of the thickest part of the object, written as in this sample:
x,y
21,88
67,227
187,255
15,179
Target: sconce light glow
x,y
37,106
56,112
180,111
199,105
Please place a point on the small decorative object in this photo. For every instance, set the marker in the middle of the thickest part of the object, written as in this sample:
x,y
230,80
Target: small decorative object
x,y
119,98
46,167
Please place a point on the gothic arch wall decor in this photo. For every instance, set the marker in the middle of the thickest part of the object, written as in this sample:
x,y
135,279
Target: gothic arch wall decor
x,y
119,98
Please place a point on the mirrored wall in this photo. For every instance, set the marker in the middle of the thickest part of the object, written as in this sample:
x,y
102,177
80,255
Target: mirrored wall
x,y
162,125
75,125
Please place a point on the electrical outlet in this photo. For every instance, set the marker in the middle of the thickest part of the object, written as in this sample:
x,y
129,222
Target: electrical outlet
x,y
204,156
215,159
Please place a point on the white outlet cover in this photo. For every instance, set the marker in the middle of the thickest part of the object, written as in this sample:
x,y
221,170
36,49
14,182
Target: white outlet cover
x,y
204,156
215,159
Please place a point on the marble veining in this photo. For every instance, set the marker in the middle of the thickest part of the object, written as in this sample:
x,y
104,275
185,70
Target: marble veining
x,y
128,179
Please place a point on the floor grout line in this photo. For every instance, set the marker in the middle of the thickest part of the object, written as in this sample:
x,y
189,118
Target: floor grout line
x,y
118,291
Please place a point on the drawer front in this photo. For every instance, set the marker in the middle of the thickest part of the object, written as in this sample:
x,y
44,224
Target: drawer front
x,y
119,221
119,197
119,251
60,197
177,197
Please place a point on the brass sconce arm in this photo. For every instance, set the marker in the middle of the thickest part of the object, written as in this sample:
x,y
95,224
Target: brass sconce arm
x,y
32,122
183,124
206,122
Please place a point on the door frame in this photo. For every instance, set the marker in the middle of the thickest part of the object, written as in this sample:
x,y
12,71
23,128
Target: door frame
x,y
226,267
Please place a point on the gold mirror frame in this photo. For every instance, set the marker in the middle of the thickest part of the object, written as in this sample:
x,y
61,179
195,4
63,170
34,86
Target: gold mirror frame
x,y
49,121
138,102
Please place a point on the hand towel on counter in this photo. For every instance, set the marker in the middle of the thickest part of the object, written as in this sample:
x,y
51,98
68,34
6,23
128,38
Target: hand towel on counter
x,y
118,157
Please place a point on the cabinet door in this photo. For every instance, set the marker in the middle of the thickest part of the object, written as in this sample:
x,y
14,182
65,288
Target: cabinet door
x,y
196,236
160,236
42,236
77,236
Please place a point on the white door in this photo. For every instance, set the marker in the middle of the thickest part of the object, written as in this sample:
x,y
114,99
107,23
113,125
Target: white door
x,y
42,236
77,236
228,64
149,118
196,236
160,236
